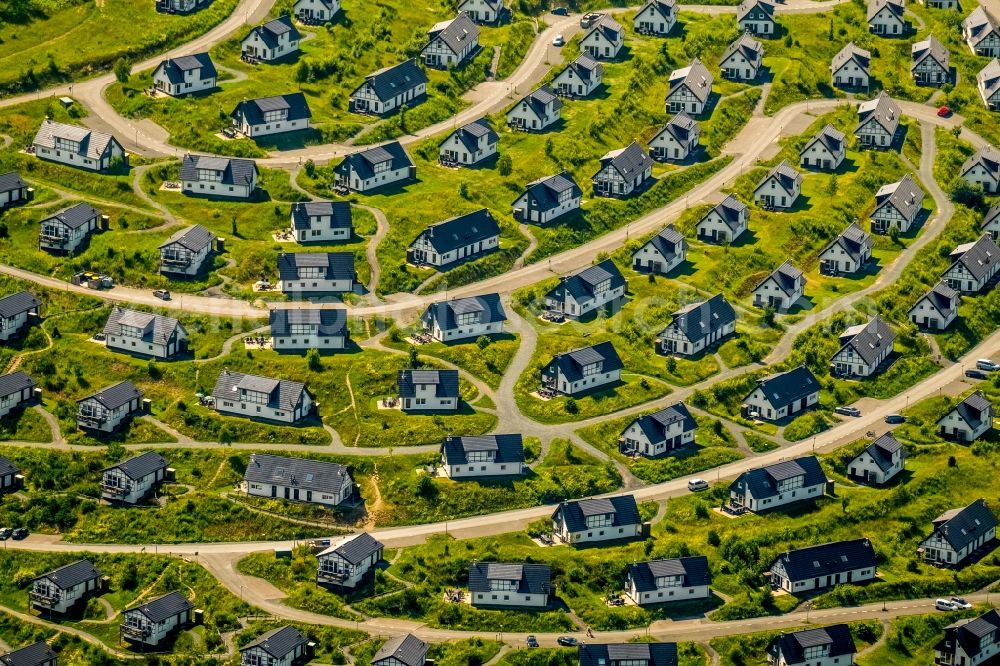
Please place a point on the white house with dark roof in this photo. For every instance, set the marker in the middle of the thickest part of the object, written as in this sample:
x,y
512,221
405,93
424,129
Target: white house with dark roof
x,y
689,89
826,150
885,18
457,239
451,42
583,369
349,560
376,167
878,122
13,190
322,221
271,41
229,177
156,620
297,480
623,172
940,4
969,420
579,78
851,67
283,646
464,318
781,395
666,581
316,272
17,310
428,390
470,144
897,205
535,111
587,290
781,289
936,309
724,222
970,641
627,654
61,589
783,483
36,654
848,253
863,349
405,650
677,140
389,88
824,566
132,480
780,187
697,326
825,646
984,168
483,11
106,410
958,533
10,474
17,389
77,146
185,75
656,17
742,59
656,434
482,456
256,397
598,519
604,38
298,330
930,62
991,221
315,11
548,198
144,333
266,116
662,253
68,229
495,584
179,6
879,462
757,17
974,265
184,254
981,32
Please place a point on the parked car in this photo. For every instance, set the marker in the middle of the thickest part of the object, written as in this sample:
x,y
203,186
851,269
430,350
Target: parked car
x,y
558,41
532,641
944,112
848,411
5,533
19,533
560,11
987,365
975,374
694,485
895,418
567,641
945,605
162,294
960,602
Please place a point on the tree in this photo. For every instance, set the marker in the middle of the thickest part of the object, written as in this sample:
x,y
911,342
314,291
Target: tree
x,y
314,361
571,406
414,357
968,194
483,341
310,168
302,72
505,165
123,70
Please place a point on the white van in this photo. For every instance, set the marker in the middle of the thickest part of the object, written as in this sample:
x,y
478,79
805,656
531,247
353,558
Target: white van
x,y
694,485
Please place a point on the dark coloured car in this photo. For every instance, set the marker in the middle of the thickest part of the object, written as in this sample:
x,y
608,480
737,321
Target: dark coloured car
x,y
567,641
895,418
19,533
560,11
848,411
975,374
532,641
5,533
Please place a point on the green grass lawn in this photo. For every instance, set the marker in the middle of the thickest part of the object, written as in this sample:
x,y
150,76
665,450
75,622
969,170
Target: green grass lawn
x,y
24,425
747,649
487,363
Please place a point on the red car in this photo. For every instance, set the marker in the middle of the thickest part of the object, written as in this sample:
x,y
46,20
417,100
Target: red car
x,y
944,112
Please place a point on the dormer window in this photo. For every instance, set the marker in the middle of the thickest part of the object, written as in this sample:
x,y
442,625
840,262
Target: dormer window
x,y
301,329
481,456
815,652
312,272
67,144
380,167
275,116
131,331
504,585
591,369
209,176
255,397
792,483
602,286
600,520
468,318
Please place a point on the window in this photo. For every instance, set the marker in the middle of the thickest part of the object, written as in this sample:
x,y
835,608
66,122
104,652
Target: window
x,y
209,175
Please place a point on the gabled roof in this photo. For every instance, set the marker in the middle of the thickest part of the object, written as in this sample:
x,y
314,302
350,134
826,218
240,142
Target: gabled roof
x,y
978,258
254,110
868,340
93,144
882,450
851,52
696,77
531,578
140,466
904,195
694,571
763,482
786,276
363,162
35,654
665,8
828,559
960,527
445,380
278,642
460,231
12,383
941,296
988,78
608,27
271,31
545,191
581,285
163,607
508,448
571,363
655,425
317,475
234,170
174,68
8,467
585,67
283,394
328,321
788,178
14,304
75,216
987,157
792,646
157,329
116,395
749,48
339,213
338,265
669,242
446,313
973,409
784,388
195,238
681,127
11,181
969,634
853,240
70,575
747,6
495,5
455,33
894,6
699,320
470,134
653,654
883,110
831,138
390,82
630,162
622,507
980,24
929,48
538,99
354,548
731,210
408,650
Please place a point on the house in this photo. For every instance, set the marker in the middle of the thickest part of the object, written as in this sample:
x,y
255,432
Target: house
x,y
482,11
958,534
16,311
390,88
765,488
500,584
229,177
179,6
604,39
316,272
991,221
470,144
582,369
548,198
725,222
17,389
376,167
823,646
780,187
10,474
61,589
981,32
156,620
36,654
689,89
484,456
662,253
13,190
185,75
863,349
757,18
597,286
272,41
697,326
656,434
315,11
940,4
969,420
405,650
347,562
781,289
885,18
656,17
677,140
451,42
848,253
185,252
851,67
628,654
664,581
265,116
77,146
132,480
623,172
536,111
428,390
256,397
878,122
456,239
300,330
464,318
283,646
68,229
597,519
322,221
144,333
897,205
297,480
742,59
879,462
971,641
975,265
930,62
936,309
984,167
824,151
782,394
104,411
580,78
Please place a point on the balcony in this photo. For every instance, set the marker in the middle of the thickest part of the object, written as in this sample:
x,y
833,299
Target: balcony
x,y
90,420
43,600
47,239
331,576
114,490
176,261
136,632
